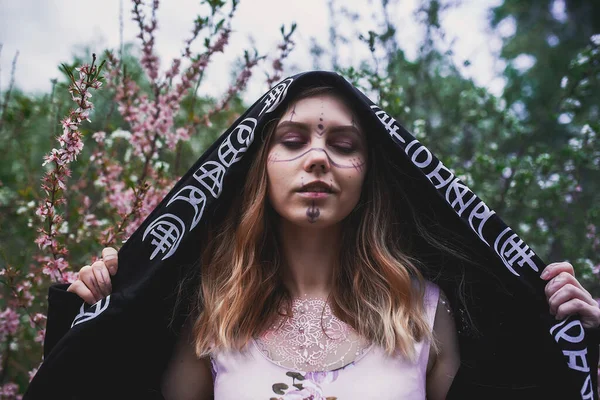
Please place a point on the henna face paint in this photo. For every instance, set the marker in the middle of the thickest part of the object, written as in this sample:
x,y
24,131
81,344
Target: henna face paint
x,y
320,126
312,213
356,163
304,148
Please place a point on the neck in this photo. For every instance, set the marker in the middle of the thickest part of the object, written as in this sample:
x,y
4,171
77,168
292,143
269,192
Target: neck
x,y
310,255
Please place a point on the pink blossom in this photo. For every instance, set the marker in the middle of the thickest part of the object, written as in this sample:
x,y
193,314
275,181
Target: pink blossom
x,y
32,373
99,136
9,323
69,276
41,334
9,392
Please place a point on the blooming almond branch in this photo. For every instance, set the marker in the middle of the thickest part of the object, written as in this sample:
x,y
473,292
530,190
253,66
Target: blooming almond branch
x,y
151,119
54,181
239,86
285,48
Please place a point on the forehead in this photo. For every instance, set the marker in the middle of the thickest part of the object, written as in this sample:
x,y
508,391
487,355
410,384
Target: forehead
x,y
324,107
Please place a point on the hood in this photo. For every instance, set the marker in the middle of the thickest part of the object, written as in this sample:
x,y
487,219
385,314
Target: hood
x,y
510,344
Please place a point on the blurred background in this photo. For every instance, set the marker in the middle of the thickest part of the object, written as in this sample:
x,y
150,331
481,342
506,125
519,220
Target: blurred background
x,y
505,92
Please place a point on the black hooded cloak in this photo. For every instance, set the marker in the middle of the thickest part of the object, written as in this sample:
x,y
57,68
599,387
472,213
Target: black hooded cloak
x,y
511,347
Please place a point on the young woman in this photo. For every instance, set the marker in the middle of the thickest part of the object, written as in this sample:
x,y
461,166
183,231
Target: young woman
x,y
312,285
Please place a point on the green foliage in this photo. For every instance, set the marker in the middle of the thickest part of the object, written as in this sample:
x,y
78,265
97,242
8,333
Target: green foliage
x,y
532,154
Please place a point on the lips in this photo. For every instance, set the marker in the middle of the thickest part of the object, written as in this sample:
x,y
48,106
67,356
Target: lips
x,y
316,187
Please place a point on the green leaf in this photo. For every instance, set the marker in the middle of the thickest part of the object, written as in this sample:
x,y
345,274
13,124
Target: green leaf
x,y
280,388
295,375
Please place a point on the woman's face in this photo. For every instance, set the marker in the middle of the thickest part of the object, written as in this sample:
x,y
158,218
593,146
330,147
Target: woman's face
x,y
317,162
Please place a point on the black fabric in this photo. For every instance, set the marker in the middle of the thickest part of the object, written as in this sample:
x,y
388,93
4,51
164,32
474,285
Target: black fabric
x,y
511,347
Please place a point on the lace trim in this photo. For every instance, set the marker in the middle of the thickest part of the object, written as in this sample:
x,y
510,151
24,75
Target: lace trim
x,y
311,339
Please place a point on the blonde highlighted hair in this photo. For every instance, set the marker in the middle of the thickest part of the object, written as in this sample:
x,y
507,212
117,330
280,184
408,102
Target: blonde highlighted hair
x,y
378,288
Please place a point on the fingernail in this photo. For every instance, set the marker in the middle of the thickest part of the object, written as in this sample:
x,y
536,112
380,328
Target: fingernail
x,y
109,257
544,274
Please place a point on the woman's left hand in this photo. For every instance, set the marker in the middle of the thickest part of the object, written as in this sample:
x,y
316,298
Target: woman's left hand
x,y
567,297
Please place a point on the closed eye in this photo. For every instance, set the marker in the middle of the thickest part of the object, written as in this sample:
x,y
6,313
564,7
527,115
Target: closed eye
x,y
343,148
292,144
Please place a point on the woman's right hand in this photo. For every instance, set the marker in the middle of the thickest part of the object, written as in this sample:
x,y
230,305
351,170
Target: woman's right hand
x,y
94,283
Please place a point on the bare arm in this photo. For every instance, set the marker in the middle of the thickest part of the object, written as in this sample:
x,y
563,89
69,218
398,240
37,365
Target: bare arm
x,y
443,366
187,377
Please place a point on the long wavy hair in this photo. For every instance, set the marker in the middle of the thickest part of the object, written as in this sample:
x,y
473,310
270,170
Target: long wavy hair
x,y
378,287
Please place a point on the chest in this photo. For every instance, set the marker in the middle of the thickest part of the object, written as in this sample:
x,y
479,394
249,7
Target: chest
x,y
375,375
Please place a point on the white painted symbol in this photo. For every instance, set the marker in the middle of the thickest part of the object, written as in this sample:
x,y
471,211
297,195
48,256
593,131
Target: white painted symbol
x,y
166,235
480,213
210,175
459,196
275,96
513,250
92,312
194,197
440,176
564,334
388,123
228,152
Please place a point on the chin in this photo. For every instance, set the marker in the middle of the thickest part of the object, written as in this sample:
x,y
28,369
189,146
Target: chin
x,y
321,221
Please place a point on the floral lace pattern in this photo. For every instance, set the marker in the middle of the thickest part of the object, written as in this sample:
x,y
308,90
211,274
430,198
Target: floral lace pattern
x,y
311,339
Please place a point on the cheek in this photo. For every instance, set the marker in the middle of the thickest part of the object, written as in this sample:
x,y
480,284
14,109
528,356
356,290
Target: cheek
x,y
353,183
276,173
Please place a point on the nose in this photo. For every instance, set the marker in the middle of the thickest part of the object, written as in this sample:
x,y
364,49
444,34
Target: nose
x,y
316,160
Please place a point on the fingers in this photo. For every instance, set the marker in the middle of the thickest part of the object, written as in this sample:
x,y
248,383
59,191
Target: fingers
x,y
566,296
81,290
589,315
554,269
110,258
94,281
87,276
567,293
102,278
560,280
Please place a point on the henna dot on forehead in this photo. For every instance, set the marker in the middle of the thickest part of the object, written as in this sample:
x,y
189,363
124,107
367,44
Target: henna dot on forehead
x,y
320,126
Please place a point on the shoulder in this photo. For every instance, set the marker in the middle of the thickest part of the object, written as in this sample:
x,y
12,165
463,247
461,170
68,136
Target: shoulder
x,y
429,294
444,357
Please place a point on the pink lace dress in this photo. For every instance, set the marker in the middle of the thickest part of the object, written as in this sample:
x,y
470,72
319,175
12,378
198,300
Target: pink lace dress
x,y
283,364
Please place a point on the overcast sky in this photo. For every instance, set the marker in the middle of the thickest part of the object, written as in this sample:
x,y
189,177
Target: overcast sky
x,y
47,32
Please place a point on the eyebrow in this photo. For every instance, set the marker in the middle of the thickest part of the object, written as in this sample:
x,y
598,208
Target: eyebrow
x,y
305,127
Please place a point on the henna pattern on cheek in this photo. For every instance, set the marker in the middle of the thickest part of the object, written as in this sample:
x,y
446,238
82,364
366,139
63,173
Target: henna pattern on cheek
x,y
358,164
313,213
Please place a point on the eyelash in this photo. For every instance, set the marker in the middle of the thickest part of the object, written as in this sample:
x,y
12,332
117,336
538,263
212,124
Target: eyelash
x,y
297,145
